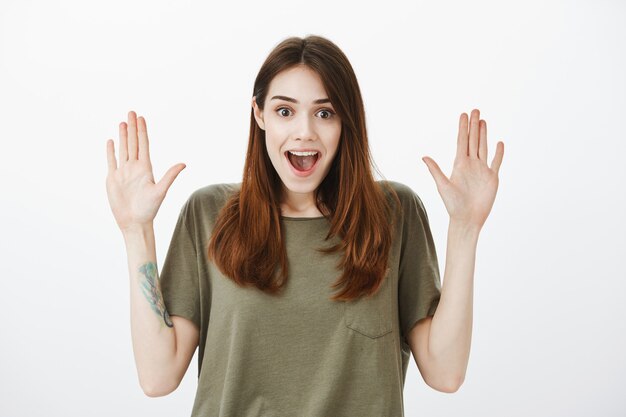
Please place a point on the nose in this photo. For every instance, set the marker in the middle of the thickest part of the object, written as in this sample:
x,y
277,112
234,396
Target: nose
x,y
305,128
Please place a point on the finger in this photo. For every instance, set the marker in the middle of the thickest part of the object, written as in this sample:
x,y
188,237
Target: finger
x,y
111,155
461,143
123,144
132,135
473,134
482,142
142,130
170,176
435,171
497,159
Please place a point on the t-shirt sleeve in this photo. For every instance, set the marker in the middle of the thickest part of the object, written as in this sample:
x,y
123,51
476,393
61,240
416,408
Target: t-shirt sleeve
x,y
179,277
419,284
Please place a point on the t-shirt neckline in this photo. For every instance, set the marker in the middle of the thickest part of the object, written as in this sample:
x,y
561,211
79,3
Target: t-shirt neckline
x,y
301,218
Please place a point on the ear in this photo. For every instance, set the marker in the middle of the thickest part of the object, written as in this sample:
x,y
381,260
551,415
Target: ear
x,y
258,115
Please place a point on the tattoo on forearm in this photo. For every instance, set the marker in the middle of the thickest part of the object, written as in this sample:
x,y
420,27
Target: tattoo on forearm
x,y
151,290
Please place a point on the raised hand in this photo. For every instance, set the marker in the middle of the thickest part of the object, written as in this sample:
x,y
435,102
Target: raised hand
x,y
133,195
471,190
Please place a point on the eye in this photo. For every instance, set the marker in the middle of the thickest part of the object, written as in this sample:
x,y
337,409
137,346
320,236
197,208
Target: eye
x,y
281,109
330,113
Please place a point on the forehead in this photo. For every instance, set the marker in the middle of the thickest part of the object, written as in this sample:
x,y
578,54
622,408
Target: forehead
x,y
299,82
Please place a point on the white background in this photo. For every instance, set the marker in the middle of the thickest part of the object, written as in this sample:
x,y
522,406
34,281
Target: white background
x,y
549,328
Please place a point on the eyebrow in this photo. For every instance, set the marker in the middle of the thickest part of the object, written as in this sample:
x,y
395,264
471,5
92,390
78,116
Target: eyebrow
x,y
293,100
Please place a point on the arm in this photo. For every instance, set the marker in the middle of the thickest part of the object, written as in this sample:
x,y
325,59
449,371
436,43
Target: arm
x,y
163,346
162,353
441,343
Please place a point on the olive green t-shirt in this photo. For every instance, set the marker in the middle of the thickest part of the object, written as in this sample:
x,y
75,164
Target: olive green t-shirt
x,y
300,354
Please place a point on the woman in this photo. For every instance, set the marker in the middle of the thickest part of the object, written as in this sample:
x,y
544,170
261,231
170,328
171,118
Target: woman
x,y
308,285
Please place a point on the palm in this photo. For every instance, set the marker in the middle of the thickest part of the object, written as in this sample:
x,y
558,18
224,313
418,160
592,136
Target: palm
x,y
133,194
470,191
134,189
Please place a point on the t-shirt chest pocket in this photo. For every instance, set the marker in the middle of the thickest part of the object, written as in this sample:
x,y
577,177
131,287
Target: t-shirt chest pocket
x,y
371,316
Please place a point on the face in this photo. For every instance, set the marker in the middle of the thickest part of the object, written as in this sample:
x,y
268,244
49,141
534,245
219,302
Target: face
x,y
298,117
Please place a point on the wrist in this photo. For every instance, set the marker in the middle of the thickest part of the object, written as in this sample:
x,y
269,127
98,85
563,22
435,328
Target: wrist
x,y
463,229
138,230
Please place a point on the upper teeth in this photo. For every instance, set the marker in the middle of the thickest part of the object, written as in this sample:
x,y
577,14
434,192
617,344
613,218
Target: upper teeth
x,y
307,153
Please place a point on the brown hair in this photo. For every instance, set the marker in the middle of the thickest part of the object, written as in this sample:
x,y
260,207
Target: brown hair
x,y
247,244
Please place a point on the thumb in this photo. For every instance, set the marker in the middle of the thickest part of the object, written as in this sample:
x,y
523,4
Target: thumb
x,y
435,171
170,176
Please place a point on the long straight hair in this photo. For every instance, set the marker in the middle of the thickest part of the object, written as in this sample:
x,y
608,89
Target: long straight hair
x,y
247,244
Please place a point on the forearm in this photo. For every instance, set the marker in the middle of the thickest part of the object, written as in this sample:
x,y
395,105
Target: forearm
x,y
153,336
451,327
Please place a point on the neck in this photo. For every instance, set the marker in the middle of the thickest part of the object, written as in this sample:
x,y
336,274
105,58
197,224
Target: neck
x,y
299,205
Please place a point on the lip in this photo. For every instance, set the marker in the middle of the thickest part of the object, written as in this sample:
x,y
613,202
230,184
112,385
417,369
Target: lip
x,y
303,173
304,150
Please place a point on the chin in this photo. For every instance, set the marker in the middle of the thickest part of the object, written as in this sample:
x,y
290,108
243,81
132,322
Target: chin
x,y
301,188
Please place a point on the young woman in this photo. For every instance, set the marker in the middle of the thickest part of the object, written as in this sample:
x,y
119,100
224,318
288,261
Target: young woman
x,y
308,285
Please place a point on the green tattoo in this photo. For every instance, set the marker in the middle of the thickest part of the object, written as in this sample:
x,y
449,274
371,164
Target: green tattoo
x,y
152,292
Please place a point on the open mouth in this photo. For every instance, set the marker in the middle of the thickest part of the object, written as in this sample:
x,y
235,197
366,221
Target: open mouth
x,y
303,161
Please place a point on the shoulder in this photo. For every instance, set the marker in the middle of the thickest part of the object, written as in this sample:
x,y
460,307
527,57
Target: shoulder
x,y
405,194
210,198
398,187
412,209
215,191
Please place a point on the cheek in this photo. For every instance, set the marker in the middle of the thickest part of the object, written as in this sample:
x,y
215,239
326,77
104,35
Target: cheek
x,y
272,146
274,134
335,136
334,130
